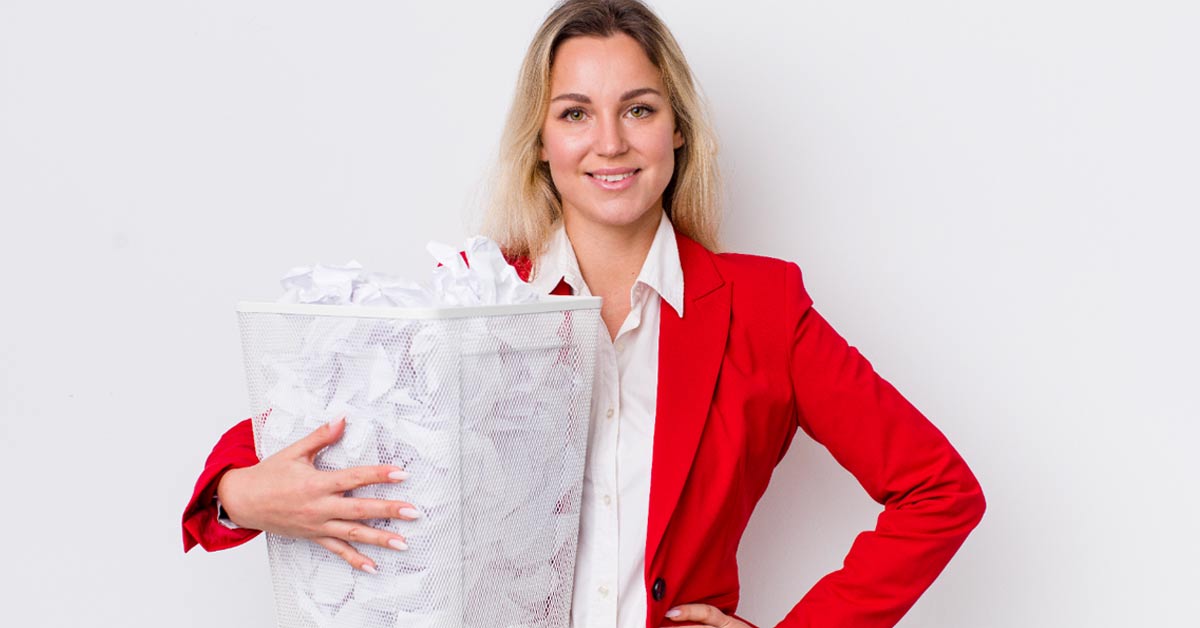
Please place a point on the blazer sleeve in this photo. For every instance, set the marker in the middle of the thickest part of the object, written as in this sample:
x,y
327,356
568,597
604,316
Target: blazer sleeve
x,y
200,525
931,499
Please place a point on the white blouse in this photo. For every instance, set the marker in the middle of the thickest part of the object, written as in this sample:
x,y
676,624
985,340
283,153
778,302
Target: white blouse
x,y
610,587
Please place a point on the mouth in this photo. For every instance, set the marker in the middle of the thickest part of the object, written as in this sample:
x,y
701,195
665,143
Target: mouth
x,y
613,174
614,178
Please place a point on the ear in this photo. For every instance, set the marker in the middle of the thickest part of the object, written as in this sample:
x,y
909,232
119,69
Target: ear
x,y
678,139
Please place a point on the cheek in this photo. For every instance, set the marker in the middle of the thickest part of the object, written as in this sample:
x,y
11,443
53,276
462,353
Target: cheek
x,y
562,151
661,153
659,147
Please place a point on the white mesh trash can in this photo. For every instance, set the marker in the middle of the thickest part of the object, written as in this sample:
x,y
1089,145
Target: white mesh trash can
x,y
485,407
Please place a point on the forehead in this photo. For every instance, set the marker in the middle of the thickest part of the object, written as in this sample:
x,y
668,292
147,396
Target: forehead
x,y
597,66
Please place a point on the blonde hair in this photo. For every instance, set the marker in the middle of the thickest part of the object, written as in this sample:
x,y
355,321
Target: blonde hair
x,y
525,204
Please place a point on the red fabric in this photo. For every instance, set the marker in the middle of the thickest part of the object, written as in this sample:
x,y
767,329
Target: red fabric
x,y
200,526
749,363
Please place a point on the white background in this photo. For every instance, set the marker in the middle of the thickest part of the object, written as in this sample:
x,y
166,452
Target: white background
x,y
995,201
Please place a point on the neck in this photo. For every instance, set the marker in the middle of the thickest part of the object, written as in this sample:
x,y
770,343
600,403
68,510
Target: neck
x,y
610,258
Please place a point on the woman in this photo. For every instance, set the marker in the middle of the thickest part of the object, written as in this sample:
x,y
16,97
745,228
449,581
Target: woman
x,y
709,365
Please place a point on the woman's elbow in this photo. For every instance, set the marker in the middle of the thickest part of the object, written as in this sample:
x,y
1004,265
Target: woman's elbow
x,y
976,505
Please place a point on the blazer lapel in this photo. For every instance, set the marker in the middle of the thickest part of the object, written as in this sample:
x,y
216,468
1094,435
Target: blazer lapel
x,y
690,351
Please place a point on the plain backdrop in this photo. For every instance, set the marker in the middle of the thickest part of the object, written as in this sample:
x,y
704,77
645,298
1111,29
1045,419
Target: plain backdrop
x,y
995,201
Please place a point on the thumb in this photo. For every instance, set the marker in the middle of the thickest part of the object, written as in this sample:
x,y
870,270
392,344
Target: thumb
x,y
318,439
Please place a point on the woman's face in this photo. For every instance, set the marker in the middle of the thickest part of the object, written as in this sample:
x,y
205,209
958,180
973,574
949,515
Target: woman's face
x,y
609,135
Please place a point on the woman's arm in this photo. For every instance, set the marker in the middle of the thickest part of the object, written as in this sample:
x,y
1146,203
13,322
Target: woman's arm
x,y
200,526
285,494
931,499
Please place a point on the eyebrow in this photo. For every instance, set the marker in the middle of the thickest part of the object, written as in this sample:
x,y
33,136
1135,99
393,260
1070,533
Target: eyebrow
x,y
629,95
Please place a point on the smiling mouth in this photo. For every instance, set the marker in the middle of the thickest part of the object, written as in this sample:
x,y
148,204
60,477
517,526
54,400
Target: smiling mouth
x,y
613,178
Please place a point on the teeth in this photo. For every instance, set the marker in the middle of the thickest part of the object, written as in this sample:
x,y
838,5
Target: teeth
x,y
611,178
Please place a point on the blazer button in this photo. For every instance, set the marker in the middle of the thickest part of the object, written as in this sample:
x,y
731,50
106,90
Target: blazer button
x,y
658,589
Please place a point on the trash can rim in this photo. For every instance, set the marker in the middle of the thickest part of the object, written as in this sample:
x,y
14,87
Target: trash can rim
x,y
550,303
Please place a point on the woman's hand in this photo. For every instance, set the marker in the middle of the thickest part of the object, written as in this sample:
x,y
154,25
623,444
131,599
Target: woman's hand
x,y
703,615
285,494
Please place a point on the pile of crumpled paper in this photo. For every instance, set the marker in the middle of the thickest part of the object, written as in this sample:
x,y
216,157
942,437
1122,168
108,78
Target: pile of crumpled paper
x,y
488,414
487,279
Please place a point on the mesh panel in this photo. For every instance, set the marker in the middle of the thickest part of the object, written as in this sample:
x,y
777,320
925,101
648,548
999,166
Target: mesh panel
x,y
489,415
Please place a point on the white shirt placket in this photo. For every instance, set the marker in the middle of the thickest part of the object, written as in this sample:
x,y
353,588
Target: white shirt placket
x,y
602,612
609,591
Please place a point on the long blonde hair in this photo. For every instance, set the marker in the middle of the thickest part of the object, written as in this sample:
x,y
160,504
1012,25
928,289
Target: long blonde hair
x,y
525,204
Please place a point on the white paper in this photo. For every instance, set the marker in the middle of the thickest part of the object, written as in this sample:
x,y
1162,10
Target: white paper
x,y
483,278
460,404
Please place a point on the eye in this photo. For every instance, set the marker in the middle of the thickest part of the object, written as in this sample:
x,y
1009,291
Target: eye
x,y
640,111
573,114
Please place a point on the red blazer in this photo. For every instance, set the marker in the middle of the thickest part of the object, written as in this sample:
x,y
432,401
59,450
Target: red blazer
x,y
750,363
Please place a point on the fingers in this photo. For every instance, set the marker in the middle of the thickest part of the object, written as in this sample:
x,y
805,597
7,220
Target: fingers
x,y
355,477
347,553
700,614
354,508
351,531
318,439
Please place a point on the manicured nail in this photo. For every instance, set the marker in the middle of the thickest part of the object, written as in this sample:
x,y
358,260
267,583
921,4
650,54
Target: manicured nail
x,y
398,544
410,513
334,423
398,475
369,568
674,612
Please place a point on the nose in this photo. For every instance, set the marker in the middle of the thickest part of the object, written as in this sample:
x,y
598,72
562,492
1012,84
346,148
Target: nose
x,y
609,140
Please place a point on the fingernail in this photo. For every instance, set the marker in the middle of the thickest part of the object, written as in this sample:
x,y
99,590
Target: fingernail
x,y
369,568
674,612
398,544
410,513
398,475
334,423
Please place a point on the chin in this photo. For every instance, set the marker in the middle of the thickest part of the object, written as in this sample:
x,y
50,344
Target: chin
x,y
618,221
616,215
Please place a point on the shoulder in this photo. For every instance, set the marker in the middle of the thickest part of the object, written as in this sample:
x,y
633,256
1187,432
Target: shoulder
x,y
745,266
756,279
734,265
